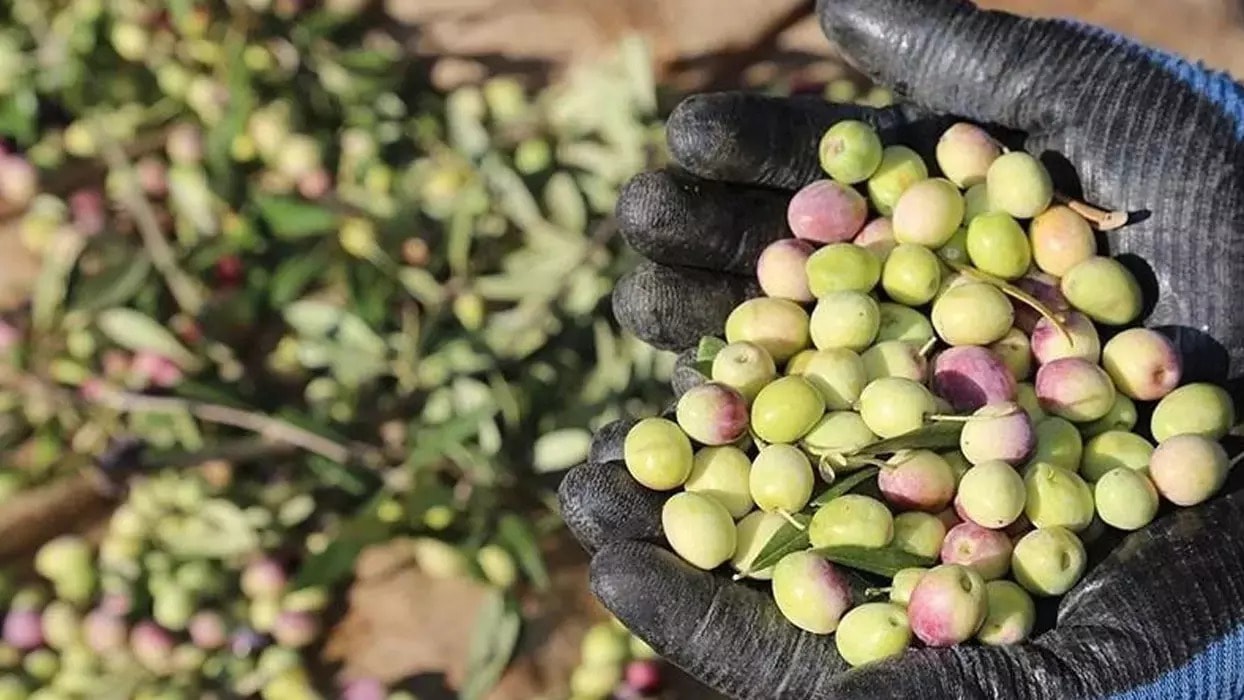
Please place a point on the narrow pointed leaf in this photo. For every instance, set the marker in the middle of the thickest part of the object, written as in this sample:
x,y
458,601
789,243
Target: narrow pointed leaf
x,y
786,540
706,352
935,436
844,485
884,561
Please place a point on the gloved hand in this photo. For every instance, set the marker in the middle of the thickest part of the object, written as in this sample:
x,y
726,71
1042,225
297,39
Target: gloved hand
x,y
1146,133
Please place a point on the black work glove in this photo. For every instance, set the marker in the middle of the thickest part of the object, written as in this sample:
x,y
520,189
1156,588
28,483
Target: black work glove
x,y
1146,133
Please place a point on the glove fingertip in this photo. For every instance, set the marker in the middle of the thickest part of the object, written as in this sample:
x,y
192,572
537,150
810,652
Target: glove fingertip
x,y
601,503
607,443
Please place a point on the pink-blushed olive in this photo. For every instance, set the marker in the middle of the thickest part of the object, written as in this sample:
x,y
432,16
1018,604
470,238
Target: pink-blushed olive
x,y
263,577
643,676
878,237
104,632
1011,617
1049,343
1061,239
208,630
1044,288
1000,431
947,606
826,212
1048,561
971,376
1188,469
780,326
986,551
712,414
928,213
917,480
1075,389
965,152
152,646
811,592
781,269
1015,351
23,629
1143,364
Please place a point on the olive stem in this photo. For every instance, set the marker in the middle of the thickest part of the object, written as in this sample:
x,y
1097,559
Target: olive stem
x,y
791,519
924,349
1102,219
1015,293
943,418
1235,460
875,592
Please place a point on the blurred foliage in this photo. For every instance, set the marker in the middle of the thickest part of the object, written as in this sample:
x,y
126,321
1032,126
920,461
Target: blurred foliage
x,y
256,218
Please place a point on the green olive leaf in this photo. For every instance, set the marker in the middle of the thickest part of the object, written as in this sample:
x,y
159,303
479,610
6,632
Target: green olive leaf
x,y
706,352
844,486
786,540
934,436
884,561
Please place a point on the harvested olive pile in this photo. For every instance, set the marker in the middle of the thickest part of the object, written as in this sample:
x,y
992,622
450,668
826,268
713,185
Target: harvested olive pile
x,y
944,395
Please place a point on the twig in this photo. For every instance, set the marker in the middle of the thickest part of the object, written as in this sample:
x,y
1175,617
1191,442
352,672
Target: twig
x,y
179,283
1102,219
272,429
265,426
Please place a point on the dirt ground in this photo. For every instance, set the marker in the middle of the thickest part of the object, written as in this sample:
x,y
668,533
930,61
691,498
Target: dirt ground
x,y
401,623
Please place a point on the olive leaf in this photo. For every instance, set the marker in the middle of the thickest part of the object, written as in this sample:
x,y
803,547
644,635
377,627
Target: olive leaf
x,y
934,436
844,486
492,644
135,330
706,352
884,561
786,540
291,218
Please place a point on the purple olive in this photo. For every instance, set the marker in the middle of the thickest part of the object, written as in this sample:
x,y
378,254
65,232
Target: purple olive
x,y
970,376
